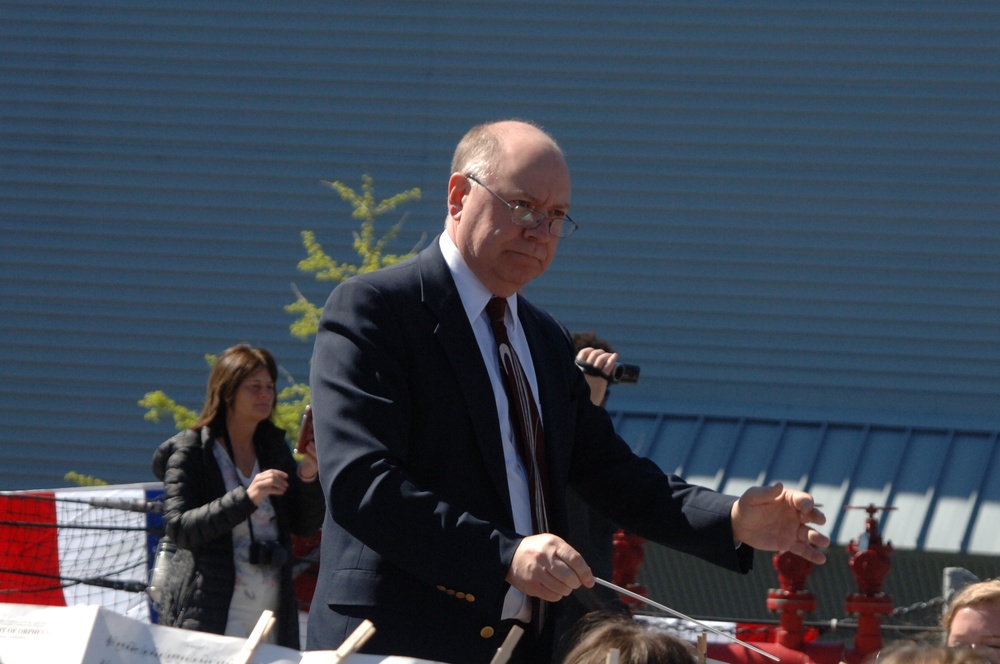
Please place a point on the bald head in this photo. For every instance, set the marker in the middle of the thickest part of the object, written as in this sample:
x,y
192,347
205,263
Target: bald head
x,y
497,166
480,150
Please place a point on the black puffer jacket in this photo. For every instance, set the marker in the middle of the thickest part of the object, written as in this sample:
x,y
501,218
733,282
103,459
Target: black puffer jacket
x,y
199,516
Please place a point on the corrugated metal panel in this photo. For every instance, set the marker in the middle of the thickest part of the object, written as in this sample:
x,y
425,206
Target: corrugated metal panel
x,y
784,208
799,208
940,483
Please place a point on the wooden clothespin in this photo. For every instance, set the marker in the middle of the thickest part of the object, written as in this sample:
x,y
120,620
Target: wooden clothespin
x,y
507,647
353,643
259,633
613,655
702,647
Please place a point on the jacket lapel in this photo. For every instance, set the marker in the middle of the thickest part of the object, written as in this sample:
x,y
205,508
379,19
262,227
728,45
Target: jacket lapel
x,y
458,342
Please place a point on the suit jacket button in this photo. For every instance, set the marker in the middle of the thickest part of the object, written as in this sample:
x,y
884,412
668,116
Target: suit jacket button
x,y
486,632
470,597
442,589
460,595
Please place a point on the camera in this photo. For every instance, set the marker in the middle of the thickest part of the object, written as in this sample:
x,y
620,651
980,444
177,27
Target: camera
x,y
625,373
622,373
268,554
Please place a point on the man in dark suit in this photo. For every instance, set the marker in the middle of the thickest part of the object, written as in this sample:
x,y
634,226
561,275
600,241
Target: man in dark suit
x,y
429,530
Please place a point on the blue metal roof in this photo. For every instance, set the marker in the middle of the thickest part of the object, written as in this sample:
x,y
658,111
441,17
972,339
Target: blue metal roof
x,y
942,483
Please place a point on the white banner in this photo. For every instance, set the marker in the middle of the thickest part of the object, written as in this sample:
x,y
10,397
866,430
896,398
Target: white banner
x,y
31,634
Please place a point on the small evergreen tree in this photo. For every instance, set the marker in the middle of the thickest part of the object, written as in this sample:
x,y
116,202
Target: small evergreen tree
x,y
371,251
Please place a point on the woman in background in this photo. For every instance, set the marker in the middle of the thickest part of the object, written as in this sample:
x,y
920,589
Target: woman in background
x,y
233,495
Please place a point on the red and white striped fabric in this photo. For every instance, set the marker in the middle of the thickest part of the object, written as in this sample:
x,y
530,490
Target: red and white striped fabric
x,y
58,549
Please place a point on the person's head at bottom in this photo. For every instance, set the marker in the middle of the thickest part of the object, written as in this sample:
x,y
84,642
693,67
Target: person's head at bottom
x,y
973,619
926,653
599,632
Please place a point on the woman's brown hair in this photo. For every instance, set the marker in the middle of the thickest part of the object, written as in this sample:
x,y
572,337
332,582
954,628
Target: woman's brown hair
x,y
232,367
974,594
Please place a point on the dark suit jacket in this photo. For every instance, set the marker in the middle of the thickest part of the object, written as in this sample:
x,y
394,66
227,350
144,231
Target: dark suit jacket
x,y
418,536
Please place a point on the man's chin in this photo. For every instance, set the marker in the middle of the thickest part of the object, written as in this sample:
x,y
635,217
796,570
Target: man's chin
x,y
524,269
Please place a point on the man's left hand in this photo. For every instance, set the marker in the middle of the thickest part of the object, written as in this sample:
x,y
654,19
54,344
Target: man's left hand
x,y
773,518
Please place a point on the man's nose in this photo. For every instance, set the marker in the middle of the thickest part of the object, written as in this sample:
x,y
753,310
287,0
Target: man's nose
x,y
539,233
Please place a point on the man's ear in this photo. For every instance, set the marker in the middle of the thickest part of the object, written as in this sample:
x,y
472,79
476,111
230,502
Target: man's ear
x,y
458,189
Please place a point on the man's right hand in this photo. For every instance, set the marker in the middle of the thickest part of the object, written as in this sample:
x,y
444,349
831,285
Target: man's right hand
x,y
545,566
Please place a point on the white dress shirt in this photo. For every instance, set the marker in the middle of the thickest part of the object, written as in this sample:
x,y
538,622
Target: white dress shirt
x,y
474,297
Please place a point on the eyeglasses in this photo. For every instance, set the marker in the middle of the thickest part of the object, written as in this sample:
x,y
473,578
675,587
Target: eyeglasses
x,y
526,217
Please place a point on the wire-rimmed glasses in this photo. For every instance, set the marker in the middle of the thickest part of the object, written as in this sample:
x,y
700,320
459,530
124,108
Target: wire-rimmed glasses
x,y
526,217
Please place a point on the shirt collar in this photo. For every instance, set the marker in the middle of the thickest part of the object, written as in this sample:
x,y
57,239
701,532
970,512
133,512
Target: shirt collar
x,y
471,291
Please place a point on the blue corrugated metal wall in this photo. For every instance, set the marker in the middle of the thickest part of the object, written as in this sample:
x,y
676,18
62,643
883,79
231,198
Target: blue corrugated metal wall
x,y
785,209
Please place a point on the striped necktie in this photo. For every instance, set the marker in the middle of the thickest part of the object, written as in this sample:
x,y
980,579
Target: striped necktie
x,y
526,423
527,427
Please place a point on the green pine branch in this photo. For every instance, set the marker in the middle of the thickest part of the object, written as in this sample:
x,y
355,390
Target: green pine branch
x,y
371,249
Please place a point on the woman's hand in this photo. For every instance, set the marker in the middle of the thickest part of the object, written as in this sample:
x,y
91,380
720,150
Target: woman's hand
x,y
309,467
270,482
